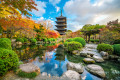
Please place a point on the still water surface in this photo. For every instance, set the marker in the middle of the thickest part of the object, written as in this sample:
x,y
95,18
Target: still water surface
x,y
53,60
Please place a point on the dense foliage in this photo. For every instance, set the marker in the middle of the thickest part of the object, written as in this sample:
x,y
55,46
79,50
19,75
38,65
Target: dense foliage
x,y
80,40
5,43
8,60
25,39
105,47
73,46
116,48
20,40
32,40
94,40
69,40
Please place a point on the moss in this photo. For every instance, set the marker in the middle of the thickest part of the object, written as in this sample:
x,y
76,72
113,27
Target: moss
x,y
26,75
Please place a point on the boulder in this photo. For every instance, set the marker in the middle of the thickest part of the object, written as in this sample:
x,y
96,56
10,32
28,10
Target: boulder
x,y
98,59
103,54
72,75
83,54
29,68
76,52
88,60
96,70
75,66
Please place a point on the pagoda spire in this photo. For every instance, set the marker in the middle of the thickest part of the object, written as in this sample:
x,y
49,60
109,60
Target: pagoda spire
x,y
61,12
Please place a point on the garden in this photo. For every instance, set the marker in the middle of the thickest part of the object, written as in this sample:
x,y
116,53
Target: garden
x,y
31,50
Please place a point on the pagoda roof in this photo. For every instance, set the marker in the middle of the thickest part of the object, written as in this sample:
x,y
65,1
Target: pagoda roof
x,y
60,25
60,17
60,29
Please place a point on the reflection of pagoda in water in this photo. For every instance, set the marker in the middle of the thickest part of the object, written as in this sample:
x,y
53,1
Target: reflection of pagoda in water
x,y
60,54
61,24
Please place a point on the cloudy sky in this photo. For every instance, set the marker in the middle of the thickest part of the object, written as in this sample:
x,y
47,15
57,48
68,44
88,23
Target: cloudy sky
x,y
78,12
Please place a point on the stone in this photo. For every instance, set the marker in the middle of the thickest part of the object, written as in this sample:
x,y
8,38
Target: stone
x,y
103,54
29,67
98,59
88,56
75,52
88,60
44,74
83,54
96,70
72,75
75,66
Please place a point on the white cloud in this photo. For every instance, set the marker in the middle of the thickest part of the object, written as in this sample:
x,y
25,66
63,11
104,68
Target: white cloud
x,y
54,2
100,12
41,8
57,8
40,19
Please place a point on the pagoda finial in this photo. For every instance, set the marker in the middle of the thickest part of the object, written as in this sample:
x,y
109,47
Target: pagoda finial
x,y
61,12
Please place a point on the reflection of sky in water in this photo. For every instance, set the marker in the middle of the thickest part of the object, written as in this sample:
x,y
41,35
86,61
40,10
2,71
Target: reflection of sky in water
x,y
53,67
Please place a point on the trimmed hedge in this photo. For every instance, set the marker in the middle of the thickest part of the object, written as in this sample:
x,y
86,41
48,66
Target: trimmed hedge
x,y
32,40
20,40
105,47
92,40
5,43
69,40
8,60
80,40
25,39
116,48
73,46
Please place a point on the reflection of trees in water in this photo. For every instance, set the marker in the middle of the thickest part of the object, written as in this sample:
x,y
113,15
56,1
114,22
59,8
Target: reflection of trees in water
x,y
112,70
29,53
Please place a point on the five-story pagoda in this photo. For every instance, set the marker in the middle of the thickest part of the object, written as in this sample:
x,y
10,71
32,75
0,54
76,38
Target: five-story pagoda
x,y
61,24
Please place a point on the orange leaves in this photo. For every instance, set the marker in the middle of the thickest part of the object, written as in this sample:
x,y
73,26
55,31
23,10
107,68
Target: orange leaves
x,y
52,34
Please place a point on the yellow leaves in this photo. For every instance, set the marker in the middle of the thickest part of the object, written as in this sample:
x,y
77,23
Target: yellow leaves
x,y
8,11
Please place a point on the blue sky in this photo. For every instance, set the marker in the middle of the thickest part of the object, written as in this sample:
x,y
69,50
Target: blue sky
x,y
78,12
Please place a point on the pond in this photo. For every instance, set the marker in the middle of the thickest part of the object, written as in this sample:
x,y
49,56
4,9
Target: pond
x,y
53,60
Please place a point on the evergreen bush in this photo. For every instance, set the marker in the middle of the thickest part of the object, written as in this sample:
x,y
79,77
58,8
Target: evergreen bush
x,y
5,43
25,39
105,47
80,40
116,48
73,46
8,60
69,40
33,40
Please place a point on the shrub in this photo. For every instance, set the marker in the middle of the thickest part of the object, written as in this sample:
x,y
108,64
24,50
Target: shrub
x,y
65,43
25,39
26,75
32,40
19,40
105,47
45,40
73,46
5,43
116,48
80,40
92,40
69,40
8,60
97,40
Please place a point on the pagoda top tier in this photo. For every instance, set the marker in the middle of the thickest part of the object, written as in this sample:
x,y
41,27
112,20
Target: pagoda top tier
x,y
60,17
